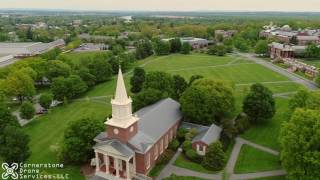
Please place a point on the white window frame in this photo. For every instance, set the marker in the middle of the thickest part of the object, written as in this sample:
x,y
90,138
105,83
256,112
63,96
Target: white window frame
x,y
148,161
156,149
161,146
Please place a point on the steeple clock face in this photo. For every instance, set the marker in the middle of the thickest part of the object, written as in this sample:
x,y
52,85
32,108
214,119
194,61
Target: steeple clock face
x,y
115,131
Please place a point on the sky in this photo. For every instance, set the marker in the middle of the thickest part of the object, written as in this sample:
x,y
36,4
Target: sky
x,y
166,5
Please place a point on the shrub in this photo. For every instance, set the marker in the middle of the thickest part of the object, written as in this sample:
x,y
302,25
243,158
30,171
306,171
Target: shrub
x,y
181,134
215,158
27,110
186,145
191,134
174,145
242,124
45,100
192,155
165,157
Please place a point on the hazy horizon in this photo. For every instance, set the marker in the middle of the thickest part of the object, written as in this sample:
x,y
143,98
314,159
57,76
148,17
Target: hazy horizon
x,y
172,5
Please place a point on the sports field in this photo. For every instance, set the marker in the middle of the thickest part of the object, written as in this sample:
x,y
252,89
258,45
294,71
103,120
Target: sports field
x,y
47,131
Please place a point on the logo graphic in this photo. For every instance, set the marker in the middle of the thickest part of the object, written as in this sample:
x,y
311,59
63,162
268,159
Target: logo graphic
x,y
10,171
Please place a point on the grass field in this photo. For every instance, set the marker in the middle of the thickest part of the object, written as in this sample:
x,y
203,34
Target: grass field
x,y
253,160
272,178
313,62
47,131
183,162
174,177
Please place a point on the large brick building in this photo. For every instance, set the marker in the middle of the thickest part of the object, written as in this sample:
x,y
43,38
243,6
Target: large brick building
x,y
132,143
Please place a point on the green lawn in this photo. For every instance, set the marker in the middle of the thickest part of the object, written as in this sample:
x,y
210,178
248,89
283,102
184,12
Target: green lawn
x,y
47,131
272,178
183,162
313,62
175,177
267,133
253,160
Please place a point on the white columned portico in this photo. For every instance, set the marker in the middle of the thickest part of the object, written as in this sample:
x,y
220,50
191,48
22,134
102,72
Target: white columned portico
x,y
128,169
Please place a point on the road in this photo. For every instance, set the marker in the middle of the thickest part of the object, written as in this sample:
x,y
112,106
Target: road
x,y
298,79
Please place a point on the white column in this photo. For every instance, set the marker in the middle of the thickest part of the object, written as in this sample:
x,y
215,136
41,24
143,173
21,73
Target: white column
x,y
128,169
134,164
117,167
106,161
97,161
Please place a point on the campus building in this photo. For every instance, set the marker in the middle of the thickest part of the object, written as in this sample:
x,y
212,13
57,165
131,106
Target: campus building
x,y
132,143
21,50
195,43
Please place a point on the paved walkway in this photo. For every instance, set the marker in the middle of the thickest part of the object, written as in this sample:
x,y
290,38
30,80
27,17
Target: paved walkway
x,y
171,169
298,79
229,170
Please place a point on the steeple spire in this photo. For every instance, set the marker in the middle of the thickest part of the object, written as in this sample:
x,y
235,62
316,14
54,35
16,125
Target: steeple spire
x,y
121,96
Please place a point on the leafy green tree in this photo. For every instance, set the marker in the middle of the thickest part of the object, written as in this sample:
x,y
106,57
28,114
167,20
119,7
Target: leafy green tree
x,y
218,50
86,76
76,86
186,48
59,88
318,80
147,97
194,78
299,100
6,119
101,70
159,80
137,79
144,49
179,86
78,140
14,145
261,47
20,85
207,101
259,103
52,54
27,110
312,51
300,141
58,68
162,47
175,45
241,44
45,100
215,158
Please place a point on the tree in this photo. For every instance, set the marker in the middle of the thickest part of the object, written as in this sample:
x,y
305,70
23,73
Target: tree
x,y
101,70
137,79
312,51
20,85
261,47
300,141
6,119
27,110
144,49
179,86
215,158
86,76
175,45
218,50
52,54
259,104
14,145
299,100
318,80
70,87
186,48
58,68
147,97
162,47
159,80
194,78
207,101
241,44
45,100
78,140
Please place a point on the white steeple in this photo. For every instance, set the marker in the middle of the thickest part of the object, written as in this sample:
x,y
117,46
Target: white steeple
x,y
121,96
121,106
